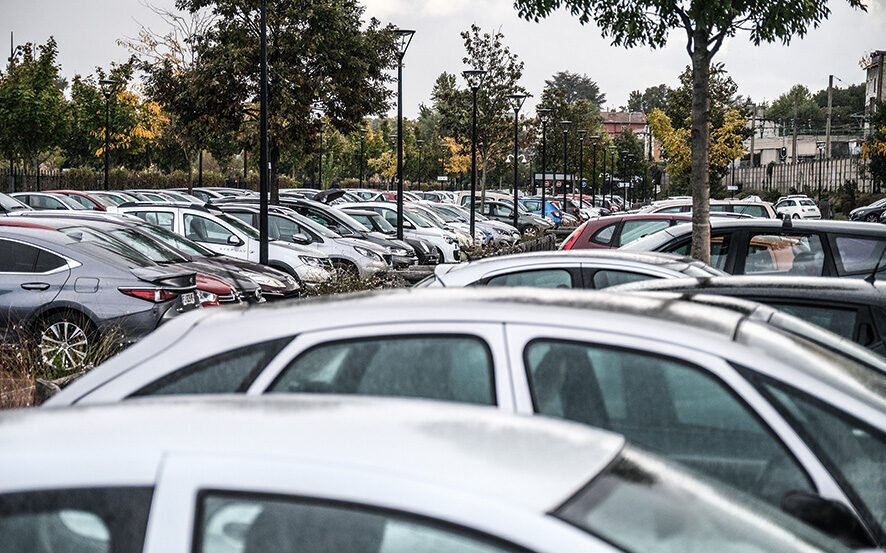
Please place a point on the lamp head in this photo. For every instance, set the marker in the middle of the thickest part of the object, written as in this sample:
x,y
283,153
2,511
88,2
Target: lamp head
x,y
516,101
404,39
474,77
544,114
107,86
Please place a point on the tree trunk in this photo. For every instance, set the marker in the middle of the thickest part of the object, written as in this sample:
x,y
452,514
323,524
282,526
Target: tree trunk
x,y
701,143
274,157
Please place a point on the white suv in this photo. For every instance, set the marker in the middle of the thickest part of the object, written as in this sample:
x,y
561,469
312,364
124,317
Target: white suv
x,y
414,227
797,207
228,235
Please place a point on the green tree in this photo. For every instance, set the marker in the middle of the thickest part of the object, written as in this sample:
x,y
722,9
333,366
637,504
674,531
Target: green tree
x,y
808,109
707,24
847,106
631,166
322,56
577,87
654,97
874,149
494,117
33,109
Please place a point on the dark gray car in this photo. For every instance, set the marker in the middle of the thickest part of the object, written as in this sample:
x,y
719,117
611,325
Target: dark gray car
x,y
69,293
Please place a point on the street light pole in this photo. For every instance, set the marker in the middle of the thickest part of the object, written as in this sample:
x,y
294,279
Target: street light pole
x,y
362,153
475,80
565,126
264,177
107,88
821,148
404,39
612,150
544,114
581,167
516,101
594,140
421,144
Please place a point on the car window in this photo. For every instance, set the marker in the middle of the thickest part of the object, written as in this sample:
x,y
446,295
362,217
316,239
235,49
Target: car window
x,y
752,210
96,520
532,205
837,320
248,218
160,218
542,278
664,405
80,200
634,229
858,254
281,228
718,208
604,235
503,211
201,229
47,202
807,203
16,257
672,209
605,278
855,451
247,523
719,250
229,372
784,254
447,367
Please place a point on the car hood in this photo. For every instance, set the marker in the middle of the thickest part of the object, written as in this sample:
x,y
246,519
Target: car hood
x,y
166,276
358,243
298,248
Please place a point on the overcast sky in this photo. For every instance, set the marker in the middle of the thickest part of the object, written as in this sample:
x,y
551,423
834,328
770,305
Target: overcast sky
x,y
87,30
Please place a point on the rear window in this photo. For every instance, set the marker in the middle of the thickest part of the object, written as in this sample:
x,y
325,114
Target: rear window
x,y
858,254
449,368
807,203
752,210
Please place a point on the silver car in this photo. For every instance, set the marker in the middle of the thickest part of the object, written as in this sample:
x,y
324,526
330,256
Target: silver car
x,y
716,389
568,269
355,475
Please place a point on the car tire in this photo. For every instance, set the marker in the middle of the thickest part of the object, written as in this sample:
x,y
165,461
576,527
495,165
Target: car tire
x,y
795,216
530,230
65,339
872,218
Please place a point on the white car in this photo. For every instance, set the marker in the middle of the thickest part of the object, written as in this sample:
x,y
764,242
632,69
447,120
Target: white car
x,y
414,227
715,388
797,207
354,475
228,235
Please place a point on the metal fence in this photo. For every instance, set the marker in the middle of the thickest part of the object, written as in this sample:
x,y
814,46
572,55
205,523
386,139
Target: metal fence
x,y
18,180
804,175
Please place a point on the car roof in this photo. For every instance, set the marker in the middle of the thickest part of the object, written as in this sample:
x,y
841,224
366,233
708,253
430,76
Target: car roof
x,y
799,287
534,462
848,227
33,233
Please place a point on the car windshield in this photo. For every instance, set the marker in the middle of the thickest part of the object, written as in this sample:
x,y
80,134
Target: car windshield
x,y
177,241
311,224
107,199
633,505
239,225
8,203
69,202
349,221
656,240
445,215
419,219
429,215
113,246
376,221
151,248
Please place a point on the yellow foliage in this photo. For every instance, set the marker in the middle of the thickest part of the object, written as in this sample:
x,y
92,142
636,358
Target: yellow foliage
x,y
458,157
726,141
385,165
874,148
149,122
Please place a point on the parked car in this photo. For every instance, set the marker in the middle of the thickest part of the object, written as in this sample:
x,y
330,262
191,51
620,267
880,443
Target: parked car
x,y
215,286
443,241
870,213
773,247
797,207
70,293
228,235
614,231
85,200
527,223
358,476
592,270
9,205
350,255
744,207
204,194
534,205
501,234
424,252
340,222
48,201
713,388
852,308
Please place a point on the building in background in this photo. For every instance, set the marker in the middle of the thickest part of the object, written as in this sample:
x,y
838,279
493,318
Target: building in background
x,y
873,63
615,122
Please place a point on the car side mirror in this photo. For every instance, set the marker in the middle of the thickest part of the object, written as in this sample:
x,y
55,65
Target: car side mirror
x,y
234,241
302,239
831,517
408,224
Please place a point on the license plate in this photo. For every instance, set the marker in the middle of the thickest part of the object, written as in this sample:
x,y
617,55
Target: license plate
x,y
188,299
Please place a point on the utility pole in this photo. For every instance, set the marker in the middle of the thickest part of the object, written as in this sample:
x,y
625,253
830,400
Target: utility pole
x,y
264,174
11,163
753,131
827,131
794,142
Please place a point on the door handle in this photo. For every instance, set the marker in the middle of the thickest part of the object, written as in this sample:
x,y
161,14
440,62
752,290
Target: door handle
x,y
35,286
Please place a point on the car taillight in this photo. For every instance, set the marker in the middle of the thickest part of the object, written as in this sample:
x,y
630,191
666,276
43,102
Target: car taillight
x,y
555,213
154,295
567,245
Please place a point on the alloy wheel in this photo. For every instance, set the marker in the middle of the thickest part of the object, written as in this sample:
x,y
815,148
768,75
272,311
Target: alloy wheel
x,y
64,345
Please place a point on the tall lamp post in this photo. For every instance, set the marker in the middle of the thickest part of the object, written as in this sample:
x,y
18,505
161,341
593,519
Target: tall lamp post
x,y
363,133
393,147
475,81
612,150
516,101
581,167
821,149
544,114
263,169
421,145
404,38
565,126
107,88
623,170
594,140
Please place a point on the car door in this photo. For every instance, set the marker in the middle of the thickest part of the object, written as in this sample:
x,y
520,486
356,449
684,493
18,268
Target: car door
x,y
688,405
30,278
215,235
565,274
462,362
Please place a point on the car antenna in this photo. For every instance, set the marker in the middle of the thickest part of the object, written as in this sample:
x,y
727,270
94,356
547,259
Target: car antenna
x,y
872,278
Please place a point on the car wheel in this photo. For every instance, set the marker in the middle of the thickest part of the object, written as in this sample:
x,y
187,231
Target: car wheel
x,y
65,340
872,218
530,230
345,268
440,257
795,216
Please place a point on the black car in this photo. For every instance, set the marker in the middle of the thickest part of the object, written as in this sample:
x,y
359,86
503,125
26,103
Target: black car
x,y
402,254
782,248
852,308
870,213
69,292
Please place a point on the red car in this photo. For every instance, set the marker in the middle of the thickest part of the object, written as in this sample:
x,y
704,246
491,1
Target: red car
x,y
82,198
616,231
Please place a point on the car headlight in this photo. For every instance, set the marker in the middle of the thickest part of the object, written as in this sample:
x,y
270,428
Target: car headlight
x,y
449,239
368,253
399,251
263,280
207,299
312,261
